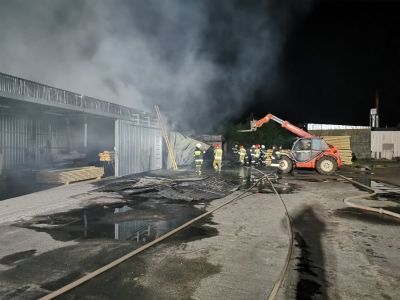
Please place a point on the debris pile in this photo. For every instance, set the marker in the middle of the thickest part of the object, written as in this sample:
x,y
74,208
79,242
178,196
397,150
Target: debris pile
x,y
180,189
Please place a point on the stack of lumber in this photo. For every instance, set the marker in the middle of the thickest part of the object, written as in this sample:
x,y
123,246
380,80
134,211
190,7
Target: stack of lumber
x,y
343,144
66,176
106,156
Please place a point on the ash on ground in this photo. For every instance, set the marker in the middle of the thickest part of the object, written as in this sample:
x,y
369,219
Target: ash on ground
x,y
181,188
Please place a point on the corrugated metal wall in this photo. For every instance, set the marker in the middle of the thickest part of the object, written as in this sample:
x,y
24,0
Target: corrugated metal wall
x,y
25,141
138,148
390,139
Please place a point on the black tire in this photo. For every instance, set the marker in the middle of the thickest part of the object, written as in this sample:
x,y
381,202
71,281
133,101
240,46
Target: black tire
x,y
285,165
326,165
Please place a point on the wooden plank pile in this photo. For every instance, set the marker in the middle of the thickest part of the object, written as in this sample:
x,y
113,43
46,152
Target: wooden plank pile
x,y
107,156
66,176
343,144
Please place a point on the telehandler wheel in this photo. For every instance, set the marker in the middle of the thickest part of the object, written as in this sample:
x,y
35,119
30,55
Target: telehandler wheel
x,y
285,165
327,165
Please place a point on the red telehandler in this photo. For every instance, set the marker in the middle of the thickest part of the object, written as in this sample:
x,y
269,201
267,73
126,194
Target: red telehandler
x,y
308,151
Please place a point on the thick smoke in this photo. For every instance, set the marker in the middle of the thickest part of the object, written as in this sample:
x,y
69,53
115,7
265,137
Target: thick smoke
x,y
199,60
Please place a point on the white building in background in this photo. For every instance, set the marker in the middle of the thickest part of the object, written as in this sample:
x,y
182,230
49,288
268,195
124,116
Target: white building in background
x,y
312,126
385,143
377,143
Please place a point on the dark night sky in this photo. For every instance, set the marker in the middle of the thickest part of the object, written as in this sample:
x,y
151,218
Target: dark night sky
x,y
333,61
208,62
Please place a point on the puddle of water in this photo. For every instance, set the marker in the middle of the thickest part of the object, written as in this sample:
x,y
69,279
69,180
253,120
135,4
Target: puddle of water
x,y
197,231
394,197
309,179
173,277
248,177
395,209
383,189
365,216
287,188
12,258
56,284
137,222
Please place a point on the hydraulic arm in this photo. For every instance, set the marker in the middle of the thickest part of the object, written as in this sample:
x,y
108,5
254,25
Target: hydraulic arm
x,y
285,124
325,158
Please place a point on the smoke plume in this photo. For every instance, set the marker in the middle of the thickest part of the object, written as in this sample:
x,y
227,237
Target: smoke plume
x,y
199,60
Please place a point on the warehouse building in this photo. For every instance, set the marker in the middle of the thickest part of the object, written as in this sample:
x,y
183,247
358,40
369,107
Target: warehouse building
x,y
385,143
43,127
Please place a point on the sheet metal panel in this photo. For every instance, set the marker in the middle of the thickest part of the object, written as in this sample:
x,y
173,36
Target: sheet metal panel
x,y
21,89
14,140
29,142
378,138
138,147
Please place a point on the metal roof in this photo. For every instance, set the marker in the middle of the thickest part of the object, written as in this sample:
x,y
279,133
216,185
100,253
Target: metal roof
x,y
20,89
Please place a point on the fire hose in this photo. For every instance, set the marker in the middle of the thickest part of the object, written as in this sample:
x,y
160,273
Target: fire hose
x,y
374,192
281,277
120,260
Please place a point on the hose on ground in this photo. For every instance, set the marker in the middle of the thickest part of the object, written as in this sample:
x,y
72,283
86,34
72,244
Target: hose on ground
x,y
374,192
281,277
118,261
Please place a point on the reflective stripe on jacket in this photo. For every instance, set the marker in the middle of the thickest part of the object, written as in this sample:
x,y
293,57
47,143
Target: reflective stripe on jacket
x,y
218,154
198,154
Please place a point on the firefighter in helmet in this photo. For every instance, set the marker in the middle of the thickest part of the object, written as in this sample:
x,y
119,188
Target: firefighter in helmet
x,y
274,157
263,155
253,155
217,164
257,153
242,154
198,158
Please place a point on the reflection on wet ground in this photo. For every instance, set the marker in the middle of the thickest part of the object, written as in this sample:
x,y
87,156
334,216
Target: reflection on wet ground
x,y
365,216
151,207
380,187
250,177
12,258
137,222
142,218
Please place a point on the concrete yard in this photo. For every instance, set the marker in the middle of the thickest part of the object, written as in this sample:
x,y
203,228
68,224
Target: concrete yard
x,y
53,237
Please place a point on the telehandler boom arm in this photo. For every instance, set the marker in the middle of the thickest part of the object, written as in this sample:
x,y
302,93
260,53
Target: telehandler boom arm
x,y
285,124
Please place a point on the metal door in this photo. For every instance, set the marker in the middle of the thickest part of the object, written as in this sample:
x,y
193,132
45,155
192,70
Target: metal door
x,y
138,148
387,151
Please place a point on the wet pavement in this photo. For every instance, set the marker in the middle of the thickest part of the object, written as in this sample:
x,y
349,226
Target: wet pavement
x,y
155,203
142,221
149,207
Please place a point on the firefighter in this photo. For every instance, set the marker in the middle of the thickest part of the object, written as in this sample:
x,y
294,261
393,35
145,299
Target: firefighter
x,y
242,154
274,157
252,155
198,158
248,156
217,158
279,152
257,153
235,149
263,155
